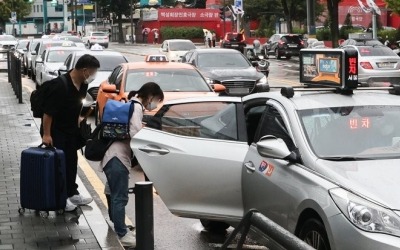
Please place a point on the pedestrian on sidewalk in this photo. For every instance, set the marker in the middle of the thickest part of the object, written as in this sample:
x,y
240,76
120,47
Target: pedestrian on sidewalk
x,y
214,38
60,123
117,160
156,35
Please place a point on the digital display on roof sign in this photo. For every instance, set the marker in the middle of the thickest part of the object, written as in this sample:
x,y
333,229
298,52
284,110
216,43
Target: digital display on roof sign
x,y
329,67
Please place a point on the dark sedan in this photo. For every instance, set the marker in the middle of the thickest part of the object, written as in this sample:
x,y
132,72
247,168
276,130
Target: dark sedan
x,y
230,68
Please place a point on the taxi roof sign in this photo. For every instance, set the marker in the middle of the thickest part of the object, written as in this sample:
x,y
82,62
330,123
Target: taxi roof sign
x,y
156,58
67,44
336,68
97,47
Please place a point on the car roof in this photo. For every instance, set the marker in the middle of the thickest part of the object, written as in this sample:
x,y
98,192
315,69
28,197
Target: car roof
x,y
158,65
57,48
203,51
98,52
303,100
178,40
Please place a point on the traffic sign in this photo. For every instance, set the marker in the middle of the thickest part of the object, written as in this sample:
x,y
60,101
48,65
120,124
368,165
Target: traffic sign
x,y
14,15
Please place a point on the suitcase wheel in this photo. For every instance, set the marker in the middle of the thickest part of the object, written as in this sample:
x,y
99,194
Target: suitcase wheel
x,y
44,214
21,210
60,212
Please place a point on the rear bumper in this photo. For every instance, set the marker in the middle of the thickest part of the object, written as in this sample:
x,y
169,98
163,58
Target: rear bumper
x,y
379,77
289,52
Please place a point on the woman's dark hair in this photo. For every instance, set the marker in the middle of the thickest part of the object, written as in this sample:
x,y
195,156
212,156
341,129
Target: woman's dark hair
x,y
148,89
87,61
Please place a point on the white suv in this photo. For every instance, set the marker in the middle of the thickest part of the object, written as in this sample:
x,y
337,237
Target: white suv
x,y
96,37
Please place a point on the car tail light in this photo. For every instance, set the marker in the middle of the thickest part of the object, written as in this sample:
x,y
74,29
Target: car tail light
x,y
93,38
366,65
302,43
281,42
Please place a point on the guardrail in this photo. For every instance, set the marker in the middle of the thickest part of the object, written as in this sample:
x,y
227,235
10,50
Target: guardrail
x,y
275,232
14,73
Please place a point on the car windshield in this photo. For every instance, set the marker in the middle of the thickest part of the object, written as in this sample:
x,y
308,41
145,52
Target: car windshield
x,y
70,38
22,44
234,37
54,44
180,46
291,39
99,34
222,60
33,45
170,80
368,132
57,56
107,62
7,38
375,51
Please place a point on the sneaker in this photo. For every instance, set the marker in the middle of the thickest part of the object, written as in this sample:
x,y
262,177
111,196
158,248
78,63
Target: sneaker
x,y
70,207
128,240
79,200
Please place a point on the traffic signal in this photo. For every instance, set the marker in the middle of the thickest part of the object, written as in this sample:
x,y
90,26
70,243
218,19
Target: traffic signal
x,y
222,11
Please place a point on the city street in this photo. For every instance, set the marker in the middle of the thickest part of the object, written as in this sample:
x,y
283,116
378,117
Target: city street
x,y
171,232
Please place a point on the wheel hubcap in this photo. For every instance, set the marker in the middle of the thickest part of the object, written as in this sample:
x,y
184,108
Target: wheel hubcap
x,y
315,239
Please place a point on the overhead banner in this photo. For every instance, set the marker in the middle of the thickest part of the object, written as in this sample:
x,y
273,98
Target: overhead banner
x,y
150,15
188,15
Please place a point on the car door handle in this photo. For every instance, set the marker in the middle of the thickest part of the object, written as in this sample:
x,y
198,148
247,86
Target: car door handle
x,y
152,149
250,167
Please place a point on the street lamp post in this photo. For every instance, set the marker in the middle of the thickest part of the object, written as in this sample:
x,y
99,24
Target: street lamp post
x,y
44,16
132,9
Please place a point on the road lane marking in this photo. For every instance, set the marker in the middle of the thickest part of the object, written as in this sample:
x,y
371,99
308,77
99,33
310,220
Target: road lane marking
x,y
290,82
234,246
95,181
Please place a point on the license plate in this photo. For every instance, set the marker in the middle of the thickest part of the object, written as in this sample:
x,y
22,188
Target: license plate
x,y
292,45
385,65
235,45
238,90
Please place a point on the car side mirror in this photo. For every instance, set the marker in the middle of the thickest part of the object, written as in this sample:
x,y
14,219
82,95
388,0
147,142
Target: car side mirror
x,y
24,49
33,53
109,88
39,60
62,70
218,88
271,147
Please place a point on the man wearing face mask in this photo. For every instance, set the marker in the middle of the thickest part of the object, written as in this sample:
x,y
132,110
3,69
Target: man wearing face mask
x,y
60,123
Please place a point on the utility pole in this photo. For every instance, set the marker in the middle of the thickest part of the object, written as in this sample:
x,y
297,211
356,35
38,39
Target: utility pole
x,y
224,15
65,15
132,9
95,15
44,16
72,16
311,18
76,14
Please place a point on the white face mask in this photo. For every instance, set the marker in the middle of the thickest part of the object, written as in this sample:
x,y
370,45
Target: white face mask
x,y
90,79
151,106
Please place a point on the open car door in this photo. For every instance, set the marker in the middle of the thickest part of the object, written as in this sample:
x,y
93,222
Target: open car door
x,y
193,151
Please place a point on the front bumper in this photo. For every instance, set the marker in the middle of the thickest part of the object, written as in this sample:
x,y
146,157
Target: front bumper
x,y
289,52
347,236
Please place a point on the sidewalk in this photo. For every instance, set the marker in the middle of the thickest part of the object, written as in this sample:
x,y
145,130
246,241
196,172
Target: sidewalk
x,y
84,229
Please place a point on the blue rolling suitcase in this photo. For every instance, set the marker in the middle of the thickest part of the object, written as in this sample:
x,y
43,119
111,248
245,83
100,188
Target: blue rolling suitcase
x,y
43,180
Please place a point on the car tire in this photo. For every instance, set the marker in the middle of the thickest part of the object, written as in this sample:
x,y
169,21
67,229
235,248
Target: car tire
x,y
215,226
277,55
88,45
314,234
106,46
288,57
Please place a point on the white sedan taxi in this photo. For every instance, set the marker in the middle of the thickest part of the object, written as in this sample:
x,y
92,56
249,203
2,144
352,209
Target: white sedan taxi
x,y
322,163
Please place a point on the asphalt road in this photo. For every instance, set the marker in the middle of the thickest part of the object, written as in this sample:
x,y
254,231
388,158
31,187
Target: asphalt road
x,y
171,232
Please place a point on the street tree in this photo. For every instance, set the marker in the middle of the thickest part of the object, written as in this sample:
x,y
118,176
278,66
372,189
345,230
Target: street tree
x,y
393,5
119,8
333,10
21,7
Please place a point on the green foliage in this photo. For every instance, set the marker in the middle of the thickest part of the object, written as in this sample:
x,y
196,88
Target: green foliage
x,y
255,8
347,20
20,6
393,5
391,35
345,31
297,30
181,32
262,28
324,34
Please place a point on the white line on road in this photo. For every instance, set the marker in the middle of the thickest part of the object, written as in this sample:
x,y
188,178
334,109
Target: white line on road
x,y
234,246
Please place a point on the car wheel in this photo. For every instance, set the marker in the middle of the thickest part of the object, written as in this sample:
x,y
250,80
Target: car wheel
x,y
106,46
88,45
288,57
214,225
314,234
277,54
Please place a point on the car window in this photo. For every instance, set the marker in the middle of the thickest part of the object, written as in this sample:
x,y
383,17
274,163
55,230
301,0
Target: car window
x,y
375,51
179,46
357,131
170,80
107,62
272,124
58,55
33,45
99,34
113,77
222,60
212,120
291,39
68,61
43,55
186,58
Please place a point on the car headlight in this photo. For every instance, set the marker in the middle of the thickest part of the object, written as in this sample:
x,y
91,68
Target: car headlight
x,y
263,80
365,214
209,80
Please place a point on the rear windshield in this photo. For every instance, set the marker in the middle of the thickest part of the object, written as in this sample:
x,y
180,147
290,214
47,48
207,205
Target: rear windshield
x,y
181,46
235,37
291,39
58,55
375,51
107,62
222,60
99,34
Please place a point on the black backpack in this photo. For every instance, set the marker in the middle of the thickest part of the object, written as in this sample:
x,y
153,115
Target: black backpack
x,y
38,96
